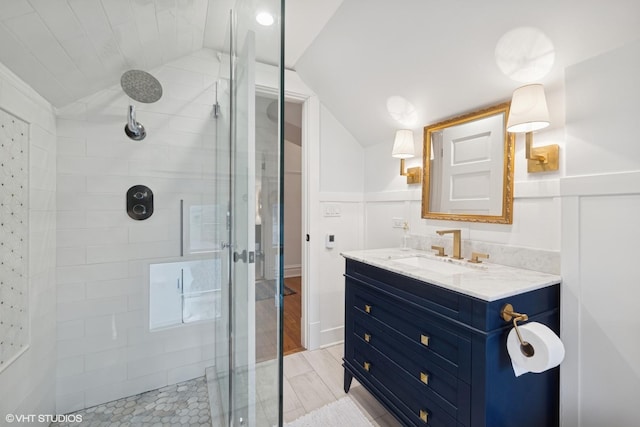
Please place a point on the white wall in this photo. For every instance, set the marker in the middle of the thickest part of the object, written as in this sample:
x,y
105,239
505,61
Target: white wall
x,y
341,160
388,196
292,209
364,184
588,209
105,350
341,183
27,386
600,235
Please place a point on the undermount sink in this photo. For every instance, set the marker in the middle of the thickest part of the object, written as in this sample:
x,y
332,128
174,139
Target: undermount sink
x,y
441,267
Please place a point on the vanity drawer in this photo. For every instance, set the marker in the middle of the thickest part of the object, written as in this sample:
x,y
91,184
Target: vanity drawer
x,y
439,300
415,364
424,333
423,410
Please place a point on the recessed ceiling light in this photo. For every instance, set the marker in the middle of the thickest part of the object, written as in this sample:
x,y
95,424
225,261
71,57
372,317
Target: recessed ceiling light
x,y
265,18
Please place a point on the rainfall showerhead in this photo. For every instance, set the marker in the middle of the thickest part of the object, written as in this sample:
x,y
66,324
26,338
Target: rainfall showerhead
x,y
142,87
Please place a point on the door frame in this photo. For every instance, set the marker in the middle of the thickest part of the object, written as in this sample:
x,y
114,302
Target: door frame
x,y
297,91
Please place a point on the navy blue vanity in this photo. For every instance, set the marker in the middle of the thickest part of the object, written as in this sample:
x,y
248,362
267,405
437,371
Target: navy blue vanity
x,y
437,357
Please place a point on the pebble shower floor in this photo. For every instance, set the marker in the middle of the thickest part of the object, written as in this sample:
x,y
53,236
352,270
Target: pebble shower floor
x,y
182,404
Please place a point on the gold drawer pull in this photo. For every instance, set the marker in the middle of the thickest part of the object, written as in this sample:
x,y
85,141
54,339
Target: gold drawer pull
x,y
424,377
424,415
367,308
367,337
424,340
366,366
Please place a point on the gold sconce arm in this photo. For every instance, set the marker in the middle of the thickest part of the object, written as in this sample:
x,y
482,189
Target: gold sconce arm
x,y
528,150
541,159
414,175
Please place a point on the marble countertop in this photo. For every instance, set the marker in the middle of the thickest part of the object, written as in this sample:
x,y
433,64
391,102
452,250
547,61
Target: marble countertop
x,y
485,281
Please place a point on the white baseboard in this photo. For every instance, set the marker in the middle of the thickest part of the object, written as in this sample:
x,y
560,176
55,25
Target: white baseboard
x,y
331,336
292,270
333,343
314,341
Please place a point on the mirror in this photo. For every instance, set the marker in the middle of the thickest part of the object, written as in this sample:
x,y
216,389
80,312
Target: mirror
x,y
468,168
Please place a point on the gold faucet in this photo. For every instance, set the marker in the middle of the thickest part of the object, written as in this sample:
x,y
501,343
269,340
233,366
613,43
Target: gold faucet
x,y
475,257
440,250
456,242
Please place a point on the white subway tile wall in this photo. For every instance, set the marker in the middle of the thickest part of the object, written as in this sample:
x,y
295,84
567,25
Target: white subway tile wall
x,y
27,385
105,348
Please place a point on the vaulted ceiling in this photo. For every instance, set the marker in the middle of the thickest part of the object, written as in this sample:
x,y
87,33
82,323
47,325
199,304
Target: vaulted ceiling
x,y
355,54
439,55
68,49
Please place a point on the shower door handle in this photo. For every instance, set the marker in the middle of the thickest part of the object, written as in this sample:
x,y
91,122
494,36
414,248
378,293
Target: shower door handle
x,y
240,256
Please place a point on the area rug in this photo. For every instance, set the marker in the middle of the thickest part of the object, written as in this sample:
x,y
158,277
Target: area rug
x,y
266,289
341,413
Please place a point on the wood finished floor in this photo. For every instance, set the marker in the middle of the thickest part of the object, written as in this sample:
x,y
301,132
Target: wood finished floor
x,y
292,342
267,328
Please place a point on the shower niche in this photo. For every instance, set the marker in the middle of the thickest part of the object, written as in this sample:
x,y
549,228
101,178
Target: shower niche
x,y
184,292
186,289
14,236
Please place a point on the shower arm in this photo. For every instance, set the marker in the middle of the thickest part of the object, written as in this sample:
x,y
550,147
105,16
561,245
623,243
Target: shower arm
x,y
132,124
133,129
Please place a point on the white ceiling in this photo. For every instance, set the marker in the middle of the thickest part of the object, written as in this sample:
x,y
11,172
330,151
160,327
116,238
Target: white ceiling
x,y
68,49
439,55
304,19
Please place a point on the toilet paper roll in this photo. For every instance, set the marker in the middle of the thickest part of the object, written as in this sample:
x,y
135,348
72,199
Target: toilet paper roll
x,y
549,350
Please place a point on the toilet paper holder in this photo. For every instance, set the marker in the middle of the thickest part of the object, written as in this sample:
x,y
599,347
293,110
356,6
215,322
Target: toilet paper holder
x,y
509,315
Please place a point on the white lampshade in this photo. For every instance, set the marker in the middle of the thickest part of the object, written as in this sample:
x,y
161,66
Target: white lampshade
x,y
403,147
528,110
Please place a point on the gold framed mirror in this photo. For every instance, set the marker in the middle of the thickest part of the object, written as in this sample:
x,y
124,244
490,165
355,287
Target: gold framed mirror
x,y
468,168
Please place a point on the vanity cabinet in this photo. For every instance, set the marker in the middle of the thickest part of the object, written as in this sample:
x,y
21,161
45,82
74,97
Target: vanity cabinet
x,y
438,358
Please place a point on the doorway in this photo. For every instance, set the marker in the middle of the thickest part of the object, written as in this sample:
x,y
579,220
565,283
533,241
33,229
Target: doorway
x,y
266,189
292,229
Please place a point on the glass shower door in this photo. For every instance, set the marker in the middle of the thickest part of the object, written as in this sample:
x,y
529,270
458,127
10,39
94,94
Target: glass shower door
x,y
249,374
243,235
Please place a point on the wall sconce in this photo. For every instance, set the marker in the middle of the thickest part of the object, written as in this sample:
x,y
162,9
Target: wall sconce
x,y
403,148
528,113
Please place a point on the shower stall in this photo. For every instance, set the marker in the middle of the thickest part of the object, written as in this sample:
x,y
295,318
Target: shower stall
x,y
249,362
128,287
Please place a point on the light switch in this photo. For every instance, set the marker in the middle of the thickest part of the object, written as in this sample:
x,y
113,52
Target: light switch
x,y
398,222
332,210
330,241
